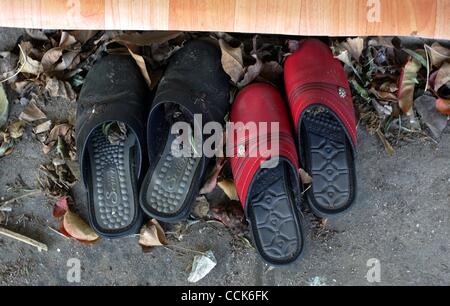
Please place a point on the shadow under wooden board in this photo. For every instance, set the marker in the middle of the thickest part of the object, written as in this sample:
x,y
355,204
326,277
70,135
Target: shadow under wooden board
x,y
425,18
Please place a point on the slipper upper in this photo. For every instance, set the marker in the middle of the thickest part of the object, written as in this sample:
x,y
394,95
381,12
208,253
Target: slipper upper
x,y
114,90
314,77
195,80
258,103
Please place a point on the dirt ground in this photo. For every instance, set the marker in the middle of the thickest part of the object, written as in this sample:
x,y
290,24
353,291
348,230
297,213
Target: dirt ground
x,y
401,217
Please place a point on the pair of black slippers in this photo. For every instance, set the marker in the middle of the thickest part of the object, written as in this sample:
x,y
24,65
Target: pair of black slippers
x,y
113,165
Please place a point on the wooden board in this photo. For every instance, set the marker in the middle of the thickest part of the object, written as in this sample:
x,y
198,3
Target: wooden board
x,y
425,18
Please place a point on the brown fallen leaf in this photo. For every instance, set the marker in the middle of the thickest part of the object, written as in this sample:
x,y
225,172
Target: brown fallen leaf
x,y
16,129
438,54
232,61
152,234
29,65
387,146
61,207
36,34
55,88
407,84
200,208
443,106
229,188
66,40
251,73
43,127
211,182
32,113
142,66
50,58
305,178
230,214
354,46
78,229
442,77
61,130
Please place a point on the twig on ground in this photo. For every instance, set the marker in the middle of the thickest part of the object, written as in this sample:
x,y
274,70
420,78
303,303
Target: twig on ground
x,y
12,200
39,245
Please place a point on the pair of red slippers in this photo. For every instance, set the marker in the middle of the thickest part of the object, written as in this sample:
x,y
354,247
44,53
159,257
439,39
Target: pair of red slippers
x,y
317,130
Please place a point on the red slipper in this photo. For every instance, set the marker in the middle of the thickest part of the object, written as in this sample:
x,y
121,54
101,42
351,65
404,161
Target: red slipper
x,y
321,107
267,182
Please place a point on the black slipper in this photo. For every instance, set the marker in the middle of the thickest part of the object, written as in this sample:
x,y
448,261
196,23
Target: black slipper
x,y
114,93
194,83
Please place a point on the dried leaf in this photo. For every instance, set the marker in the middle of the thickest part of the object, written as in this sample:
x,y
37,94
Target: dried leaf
x,y
232,61
142,66
387,146
61,207
55,88
201,266
305,178
30,65
439,54
442,77
211,182
443,106
6,148
16,129
251,73
37,34
229,188
200,208
78,229
32,113
408,81
68,60
43,127
152,234
50,58
66,40
354,46
4,106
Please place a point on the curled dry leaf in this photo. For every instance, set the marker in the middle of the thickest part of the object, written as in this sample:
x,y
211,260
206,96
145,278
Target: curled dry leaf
x,y
439,54
443,106
252,72
407,84
152,234
36,34
354,46
50,58
32,113
229,188
211,183
61,130
305,178
77,228
232,61
142,66
4,106
66,40
16,129
61,207
55,88
442,78
43,127
29,65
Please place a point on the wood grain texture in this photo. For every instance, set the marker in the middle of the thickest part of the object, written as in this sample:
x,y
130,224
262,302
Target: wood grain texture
x,y
426,18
